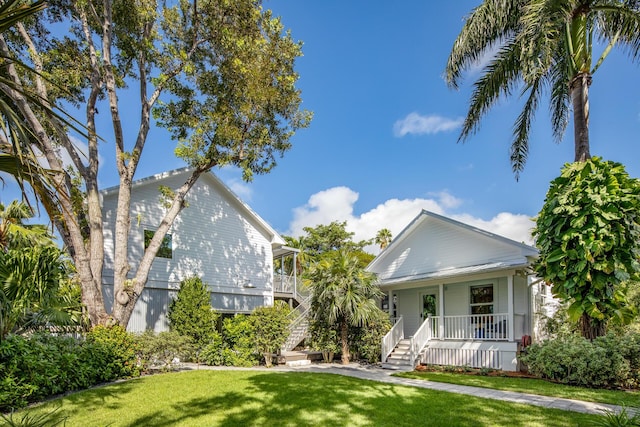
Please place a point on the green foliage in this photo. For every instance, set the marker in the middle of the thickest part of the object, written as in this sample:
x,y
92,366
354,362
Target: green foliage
x,y
588,233
162,350
270,328
545,48
219,76
366,340
623,418
121,346
325,239
606,362
237,347
343,294
190,314
35,290
28,419
324,337
215,353
34,368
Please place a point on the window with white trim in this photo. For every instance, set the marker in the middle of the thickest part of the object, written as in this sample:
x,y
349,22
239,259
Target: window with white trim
x,y
481,299
166,247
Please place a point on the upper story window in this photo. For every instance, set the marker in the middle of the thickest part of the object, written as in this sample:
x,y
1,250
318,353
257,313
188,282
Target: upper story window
x,y
166,247
481,300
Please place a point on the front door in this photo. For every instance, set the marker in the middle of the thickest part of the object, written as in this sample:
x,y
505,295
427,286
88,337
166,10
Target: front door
x,y
429,305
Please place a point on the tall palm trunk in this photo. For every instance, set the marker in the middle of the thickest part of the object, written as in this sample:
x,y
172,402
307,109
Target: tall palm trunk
x,y
579,88
344,340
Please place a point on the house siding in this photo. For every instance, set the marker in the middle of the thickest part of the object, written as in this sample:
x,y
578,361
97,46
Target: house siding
x,y
456,247
212,238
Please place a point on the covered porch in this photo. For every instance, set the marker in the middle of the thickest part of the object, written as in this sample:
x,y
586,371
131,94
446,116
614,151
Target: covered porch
x,y
477,322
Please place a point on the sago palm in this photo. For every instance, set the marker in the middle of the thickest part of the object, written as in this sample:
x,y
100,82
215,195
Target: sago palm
x,y
344,294
544,47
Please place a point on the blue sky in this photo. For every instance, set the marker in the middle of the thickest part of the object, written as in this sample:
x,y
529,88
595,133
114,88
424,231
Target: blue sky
x,y
382,144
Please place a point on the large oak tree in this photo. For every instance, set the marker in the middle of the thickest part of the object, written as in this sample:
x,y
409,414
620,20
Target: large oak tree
x,y
218,74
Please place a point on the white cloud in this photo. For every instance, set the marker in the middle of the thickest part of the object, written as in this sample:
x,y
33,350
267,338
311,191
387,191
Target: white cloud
x,y
337,204
334,204
416,124
513,226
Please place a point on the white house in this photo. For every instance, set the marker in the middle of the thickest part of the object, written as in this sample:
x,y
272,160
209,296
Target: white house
x,y
458,295
217,237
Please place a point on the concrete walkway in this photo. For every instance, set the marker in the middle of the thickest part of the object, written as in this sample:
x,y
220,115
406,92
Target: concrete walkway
x,y
386,376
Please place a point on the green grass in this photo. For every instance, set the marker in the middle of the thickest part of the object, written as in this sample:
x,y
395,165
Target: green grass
x,y
531,385
259,398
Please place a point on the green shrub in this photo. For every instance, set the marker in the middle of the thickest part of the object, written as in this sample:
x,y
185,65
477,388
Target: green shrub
x,y
270,327
43,365
324,338
213,354
605,362
237,347
190,314
366,339
163,349
121,345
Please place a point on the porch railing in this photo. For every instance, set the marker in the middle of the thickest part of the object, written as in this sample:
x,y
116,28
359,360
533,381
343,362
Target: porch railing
x,y
284,284
477,327
393,337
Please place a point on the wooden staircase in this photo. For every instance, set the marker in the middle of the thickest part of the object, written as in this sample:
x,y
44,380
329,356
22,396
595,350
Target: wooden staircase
x,y
299,326
400,357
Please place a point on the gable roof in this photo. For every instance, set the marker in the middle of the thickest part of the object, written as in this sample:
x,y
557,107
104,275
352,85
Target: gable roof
x,y
219,186
434,246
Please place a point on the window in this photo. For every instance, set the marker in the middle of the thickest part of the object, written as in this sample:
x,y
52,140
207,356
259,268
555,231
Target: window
x,y
481,300
165,250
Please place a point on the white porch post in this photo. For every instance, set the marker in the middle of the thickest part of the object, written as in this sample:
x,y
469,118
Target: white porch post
x,y
441,311
510,306
295,278
390,304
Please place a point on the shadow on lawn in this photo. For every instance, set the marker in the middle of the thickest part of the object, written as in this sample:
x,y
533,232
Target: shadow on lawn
x,y
299,399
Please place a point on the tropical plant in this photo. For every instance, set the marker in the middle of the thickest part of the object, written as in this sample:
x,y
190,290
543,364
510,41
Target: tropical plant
x,y
271,328
343,294
218,75
588,233
32,290
541,46
190,313
15,234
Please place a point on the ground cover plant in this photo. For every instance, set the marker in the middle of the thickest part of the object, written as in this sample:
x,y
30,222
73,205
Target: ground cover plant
x,y
258,397
526,385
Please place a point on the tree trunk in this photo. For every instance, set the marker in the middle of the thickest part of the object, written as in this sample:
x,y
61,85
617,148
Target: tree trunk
x,y
579,88
591,328
344,341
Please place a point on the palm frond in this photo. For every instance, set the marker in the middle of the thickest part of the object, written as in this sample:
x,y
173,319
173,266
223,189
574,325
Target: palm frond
x,y
520,144
499,79
489,25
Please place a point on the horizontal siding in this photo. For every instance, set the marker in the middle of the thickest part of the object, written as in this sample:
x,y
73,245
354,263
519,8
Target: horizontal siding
x,y
436,245
212,238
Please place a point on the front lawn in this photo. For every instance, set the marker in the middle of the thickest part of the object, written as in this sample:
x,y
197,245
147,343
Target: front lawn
x,y
259,398
530,385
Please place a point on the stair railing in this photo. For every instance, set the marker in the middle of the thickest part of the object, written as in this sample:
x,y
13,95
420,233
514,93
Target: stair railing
x,y
392,338
420,339
299,315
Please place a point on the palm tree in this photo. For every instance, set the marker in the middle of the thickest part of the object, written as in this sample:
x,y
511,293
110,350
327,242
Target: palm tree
x,y
542,46
32,290
14,233
344,294
383,238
